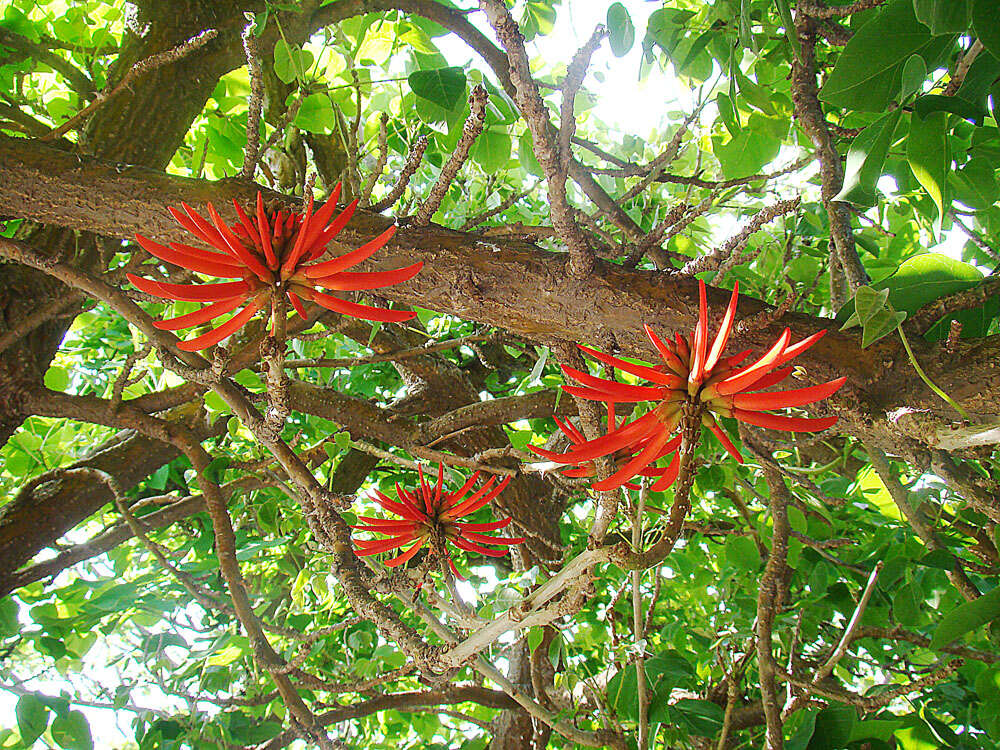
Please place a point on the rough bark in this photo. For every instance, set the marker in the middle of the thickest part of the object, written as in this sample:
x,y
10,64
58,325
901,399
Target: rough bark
x,y
24,530
509,284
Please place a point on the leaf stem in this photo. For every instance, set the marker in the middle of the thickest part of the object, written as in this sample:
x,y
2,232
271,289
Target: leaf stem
x,y
927,380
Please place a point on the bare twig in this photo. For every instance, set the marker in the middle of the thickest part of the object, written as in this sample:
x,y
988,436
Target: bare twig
x,y
769,601
817,10
470,131
728,252
251,151
842,646
546,143
380,162
143,66
412,163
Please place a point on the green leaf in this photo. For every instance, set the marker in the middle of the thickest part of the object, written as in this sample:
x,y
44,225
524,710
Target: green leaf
x,y
32,718
876,494
742,553
666,27
906,604
966,618
442,86
984,23
290,61
785,14
881,324
929,103
664,672
927,277
535,637
526,155
700,717
869,70
492,150
875,729
56,379
227,656
621,28
316,114
918,280
914,73
928,156
744,30
71,731
8,617
833,728
800,740
988,684
975,184
944,16
728,114
216,468
865,160
745,153
869,303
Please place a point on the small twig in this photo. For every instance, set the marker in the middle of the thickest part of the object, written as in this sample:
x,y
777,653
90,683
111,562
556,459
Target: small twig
x,y
470,131
769,600
251,151
40,315
124,379
728,252
380,162
417,351
923,319
842,646
412,163
838,11
143,66
962,69
506,203
976,237
576,71
638,626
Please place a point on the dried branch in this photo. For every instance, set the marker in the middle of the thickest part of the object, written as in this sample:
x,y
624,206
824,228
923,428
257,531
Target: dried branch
x,y
143,66
380,162
409,168
251,152
531,106
470,131
727,254
818,10
769,601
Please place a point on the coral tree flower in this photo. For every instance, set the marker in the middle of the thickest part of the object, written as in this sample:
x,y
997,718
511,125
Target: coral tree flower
x,y
693,373
270,255
430,514
589,468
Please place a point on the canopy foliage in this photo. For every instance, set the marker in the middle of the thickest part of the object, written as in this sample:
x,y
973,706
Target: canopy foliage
x,y
175,558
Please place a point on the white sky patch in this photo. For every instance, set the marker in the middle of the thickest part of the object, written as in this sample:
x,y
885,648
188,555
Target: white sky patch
x,y
623,102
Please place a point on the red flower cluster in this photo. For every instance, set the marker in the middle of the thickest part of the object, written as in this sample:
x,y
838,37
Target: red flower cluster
x,y
269,254
431,514
588,468
693,372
